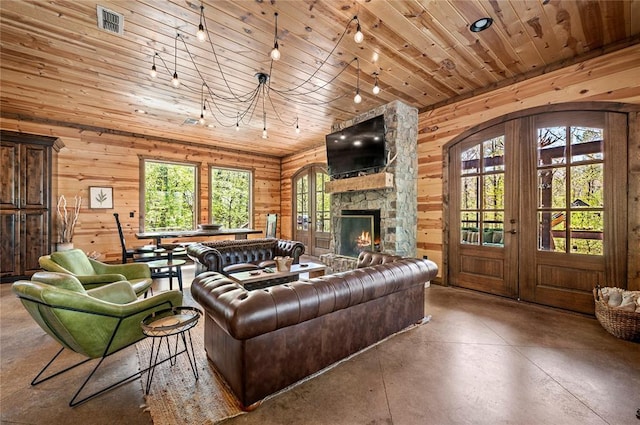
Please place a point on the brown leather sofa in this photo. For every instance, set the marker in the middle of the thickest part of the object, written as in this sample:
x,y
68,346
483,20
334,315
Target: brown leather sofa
x,y
264,340
240,255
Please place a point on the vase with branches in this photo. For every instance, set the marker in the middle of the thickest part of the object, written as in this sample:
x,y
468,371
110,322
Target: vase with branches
x,y
67,217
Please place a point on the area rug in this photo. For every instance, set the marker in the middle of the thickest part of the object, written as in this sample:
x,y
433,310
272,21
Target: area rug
x,y
176,397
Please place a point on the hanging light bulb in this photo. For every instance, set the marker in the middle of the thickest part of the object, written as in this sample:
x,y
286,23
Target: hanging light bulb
x,y
264,133
175,81
357,98
154,72
358,37
275,53
297,127
238,122
204,107
376,87
201,34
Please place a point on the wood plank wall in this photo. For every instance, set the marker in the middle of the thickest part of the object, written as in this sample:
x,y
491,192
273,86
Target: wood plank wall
x,y
102,159
612,77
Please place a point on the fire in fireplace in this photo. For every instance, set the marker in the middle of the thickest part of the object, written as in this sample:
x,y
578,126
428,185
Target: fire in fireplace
x,y
359,231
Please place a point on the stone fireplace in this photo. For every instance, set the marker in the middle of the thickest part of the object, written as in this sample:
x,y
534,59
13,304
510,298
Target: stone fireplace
x,y
397,205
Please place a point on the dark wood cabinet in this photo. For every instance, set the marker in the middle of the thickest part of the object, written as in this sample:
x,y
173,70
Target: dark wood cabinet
x,y
26,163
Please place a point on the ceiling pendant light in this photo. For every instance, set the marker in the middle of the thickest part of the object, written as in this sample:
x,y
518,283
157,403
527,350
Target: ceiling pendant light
x,y
154,72
238,122
275,53
175,81
202,36
358,37
297,127
376,87
203,108
357,98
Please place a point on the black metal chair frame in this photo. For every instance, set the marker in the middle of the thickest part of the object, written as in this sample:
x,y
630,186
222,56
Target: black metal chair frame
x,y
105,354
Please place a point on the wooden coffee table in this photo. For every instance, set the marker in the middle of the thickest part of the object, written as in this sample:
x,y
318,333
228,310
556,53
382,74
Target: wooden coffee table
x,y
262,278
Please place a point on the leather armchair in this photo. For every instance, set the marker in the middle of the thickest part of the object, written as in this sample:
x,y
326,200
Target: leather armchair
x,y
94,323
92,273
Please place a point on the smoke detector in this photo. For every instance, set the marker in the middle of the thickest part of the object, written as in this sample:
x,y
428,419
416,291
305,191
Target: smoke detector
x,y
110,21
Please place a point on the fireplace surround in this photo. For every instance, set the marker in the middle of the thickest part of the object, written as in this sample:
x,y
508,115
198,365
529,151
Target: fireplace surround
x,y
397,205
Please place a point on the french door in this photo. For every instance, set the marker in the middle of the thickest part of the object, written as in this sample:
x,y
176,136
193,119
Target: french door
x,y
538,208
312,210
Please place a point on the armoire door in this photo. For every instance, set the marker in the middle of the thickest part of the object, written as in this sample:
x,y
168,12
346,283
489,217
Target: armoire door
x,y
538,208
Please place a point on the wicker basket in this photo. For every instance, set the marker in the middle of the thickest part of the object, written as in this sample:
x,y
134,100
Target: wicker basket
x,y
619,323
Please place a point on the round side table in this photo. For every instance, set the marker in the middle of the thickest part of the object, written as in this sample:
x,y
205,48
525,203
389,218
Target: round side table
x,y
167,268
162,324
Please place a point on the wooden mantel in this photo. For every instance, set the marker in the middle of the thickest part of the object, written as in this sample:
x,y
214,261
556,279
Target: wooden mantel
x,y
368,182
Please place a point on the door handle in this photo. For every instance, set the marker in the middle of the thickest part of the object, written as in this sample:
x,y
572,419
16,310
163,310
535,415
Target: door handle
x,y
513,231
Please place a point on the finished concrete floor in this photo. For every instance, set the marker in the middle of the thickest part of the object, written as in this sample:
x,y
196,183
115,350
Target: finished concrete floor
x,y
480,360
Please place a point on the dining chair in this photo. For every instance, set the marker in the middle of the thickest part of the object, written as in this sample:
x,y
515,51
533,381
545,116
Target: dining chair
x,y
142,252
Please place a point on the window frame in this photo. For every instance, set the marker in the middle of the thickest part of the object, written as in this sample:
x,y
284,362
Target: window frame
x,y
143,186
251,172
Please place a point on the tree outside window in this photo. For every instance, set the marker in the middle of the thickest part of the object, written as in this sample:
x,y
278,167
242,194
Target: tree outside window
x,y
231,197
169,196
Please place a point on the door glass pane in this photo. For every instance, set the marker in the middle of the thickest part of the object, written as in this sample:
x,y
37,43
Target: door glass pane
x,y
552,187
470,160
482,187
586,233
323,203
552,145
302,203
586,144
587,186
571,190
469,226
493,151
493,228
551,234
469,193
493,191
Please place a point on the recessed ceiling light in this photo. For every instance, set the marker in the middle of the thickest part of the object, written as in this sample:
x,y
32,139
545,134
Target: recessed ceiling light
x,y
481,24
141,111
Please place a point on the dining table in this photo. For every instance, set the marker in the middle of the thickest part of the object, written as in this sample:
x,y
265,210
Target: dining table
x,y
197,233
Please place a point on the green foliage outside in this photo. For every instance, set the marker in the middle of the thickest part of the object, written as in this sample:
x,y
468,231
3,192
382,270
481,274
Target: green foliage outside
x,y
230,198
169,196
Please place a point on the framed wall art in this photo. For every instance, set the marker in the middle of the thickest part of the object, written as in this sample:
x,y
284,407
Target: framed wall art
x,y
100,197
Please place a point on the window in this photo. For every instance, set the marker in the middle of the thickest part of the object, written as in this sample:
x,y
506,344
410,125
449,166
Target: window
x,y
231,197
169,196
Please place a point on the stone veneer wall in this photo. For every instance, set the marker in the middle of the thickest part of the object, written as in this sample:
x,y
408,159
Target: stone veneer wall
x,y
398,206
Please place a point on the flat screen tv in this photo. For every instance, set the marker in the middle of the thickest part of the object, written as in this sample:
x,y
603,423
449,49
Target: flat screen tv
x,y
356,149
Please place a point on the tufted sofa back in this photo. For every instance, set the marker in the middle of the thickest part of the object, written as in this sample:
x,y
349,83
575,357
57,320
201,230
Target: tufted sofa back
x,y
217,255
245,314
370,258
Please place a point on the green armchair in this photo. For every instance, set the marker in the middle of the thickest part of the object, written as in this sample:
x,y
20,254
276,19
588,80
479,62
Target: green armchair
x,y
94,323
92,273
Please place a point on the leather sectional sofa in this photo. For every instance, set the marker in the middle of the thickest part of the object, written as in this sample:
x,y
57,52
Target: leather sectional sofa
x,y
264,340
240,255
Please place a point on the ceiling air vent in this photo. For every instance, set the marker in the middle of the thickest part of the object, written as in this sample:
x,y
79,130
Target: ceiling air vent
x,y
111,21
191,121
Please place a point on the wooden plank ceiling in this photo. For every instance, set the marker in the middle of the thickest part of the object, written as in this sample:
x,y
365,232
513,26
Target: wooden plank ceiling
x,y
59,67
